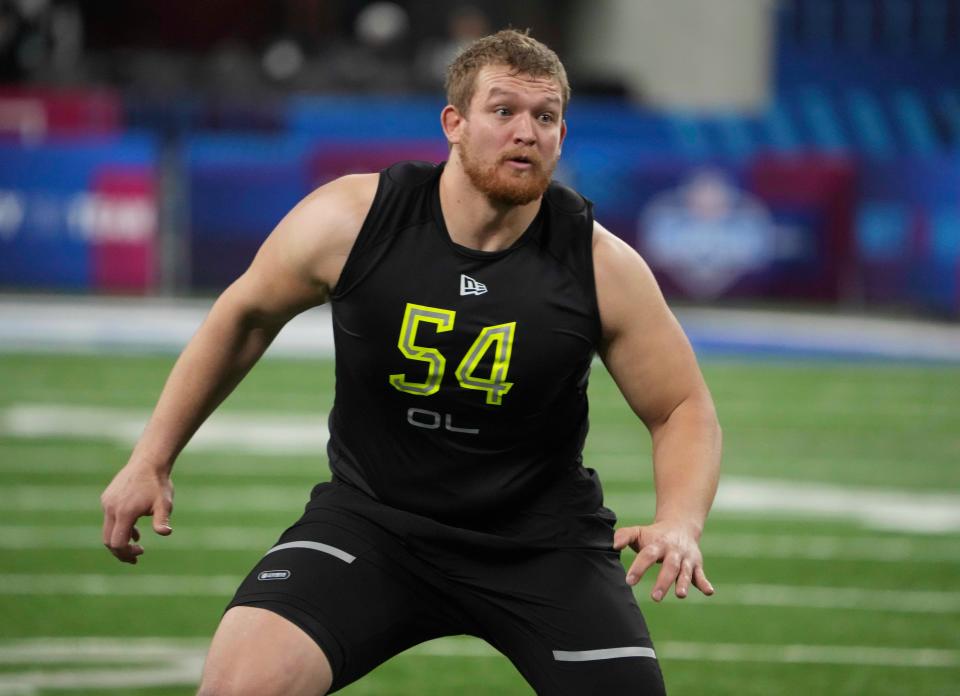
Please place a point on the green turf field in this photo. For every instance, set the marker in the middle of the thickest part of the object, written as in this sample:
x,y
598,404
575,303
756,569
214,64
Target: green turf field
x,y
836,556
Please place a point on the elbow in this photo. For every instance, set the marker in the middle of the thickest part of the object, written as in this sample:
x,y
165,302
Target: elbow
x,y
696,411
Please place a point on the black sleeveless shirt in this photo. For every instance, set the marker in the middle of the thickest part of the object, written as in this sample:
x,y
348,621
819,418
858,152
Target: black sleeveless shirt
x,y
461,375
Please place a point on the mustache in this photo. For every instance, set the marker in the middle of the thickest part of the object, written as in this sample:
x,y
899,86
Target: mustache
x,y
529,156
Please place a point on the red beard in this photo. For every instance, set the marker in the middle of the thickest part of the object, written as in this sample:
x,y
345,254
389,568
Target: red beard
x,y
502,185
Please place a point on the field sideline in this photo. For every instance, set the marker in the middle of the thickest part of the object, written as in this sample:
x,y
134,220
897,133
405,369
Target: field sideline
x,y
834,545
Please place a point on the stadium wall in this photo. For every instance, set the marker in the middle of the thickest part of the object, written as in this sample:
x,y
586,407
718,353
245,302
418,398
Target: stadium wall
x,y
718,205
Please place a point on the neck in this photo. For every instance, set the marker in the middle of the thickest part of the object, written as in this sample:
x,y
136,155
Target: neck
x,y
472,219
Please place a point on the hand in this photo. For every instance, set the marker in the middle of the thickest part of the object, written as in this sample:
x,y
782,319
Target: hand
x,y
134,493
675,545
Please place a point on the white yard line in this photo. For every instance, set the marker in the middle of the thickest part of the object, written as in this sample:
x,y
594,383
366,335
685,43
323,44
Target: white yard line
x,y
21,537
810,654
179,661
272,433
843,598
739,652
881,509
170,673
873,508
830,548
53,650
716,545
310,466
205,498
786,596
131,583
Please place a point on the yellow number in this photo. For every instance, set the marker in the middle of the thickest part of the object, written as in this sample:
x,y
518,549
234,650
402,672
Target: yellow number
x,y
412,317
500,338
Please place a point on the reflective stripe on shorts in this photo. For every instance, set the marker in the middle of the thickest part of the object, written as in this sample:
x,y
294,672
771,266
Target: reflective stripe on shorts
x,y
315,546
606,654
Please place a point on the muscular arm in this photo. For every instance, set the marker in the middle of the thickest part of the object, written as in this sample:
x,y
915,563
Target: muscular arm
x,y
651,361
295,269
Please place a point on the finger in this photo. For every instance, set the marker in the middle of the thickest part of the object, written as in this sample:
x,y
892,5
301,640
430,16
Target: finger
x,y
626,536
108,521
120,546
135,534
649,554
683,579
127,553
122,532
668,573
130,553
701,582
162,508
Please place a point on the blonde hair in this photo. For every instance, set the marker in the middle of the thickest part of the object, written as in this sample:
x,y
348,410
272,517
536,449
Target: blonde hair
x,y
517,50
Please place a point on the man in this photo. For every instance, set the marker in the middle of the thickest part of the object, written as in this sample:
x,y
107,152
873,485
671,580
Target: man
x,y
468,302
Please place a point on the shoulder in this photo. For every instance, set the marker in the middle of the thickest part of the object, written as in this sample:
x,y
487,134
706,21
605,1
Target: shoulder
x,y
316,236
614,258
564,199
302,257
336,210
332,215
626,287
411,174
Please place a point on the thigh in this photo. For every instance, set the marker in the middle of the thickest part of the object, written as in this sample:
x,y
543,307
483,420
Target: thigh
x,y
352,589
256,651
570,623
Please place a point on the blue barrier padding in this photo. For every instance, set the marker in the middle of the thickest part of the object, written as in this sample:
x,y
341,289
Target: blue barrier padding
x,y
915,120
871,125
882,231
47,243
67,164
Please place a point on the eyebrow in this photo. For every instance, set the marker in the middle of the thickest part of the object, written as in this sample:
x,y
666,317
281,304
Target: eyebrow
x,y
500,91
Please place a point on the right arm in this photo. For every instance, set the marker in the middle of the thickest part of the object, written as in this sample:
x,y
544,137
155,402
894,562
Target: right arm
x,y
295,269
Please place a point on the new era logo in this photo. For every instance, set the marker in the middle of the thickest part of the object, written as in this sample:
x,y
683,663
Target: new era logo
x,y
469,286
273,575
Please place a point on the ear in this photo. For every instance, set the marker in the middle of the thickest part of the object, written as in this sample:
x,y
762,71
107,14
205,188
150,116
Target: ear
x,y
452,121
563,134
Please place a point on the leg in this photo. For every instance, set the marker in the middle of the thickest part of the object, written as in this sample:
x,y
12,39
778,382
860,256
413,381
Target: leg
x,y
343,594
256,651
570,624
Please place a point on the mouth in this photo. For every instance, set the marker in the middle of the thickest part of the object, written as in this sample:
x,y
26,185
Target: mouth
x,y
520,162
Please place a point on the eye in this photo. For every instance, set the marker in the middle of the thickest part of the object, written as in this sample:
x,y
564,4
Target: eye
x,y
547,118
502,111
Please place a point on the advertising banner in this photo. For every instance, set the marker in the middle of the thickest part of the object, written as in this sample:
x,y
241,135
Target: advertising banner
x,y
764,227
79,214
908,233
238,189
34,114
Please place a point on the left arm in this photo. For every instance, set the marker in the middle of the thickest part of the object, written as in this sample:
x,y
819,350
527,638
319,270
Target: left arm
x,y
652,363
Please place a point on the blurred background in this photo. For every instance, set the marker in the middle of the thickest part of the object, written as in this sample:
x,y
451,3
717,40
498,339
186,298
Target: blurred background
x,y
790,170
800,151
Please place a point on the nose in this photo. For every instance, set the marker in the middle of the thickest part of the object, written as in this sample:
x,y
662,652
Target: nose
x,y
525,132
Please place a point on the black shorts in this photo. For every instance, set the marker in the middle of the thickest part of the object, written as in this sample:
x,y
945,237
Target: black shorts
x,y
365,592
